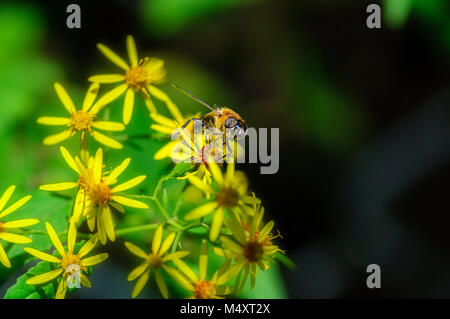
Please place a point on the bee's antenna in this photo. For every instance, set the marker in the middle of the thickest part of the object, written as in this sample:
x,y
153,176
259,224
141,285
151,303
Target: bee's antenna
x,y
195,98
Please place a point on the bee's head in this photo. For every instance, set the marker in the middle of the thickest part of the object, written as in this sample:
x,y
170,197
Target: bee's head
x,y
238,127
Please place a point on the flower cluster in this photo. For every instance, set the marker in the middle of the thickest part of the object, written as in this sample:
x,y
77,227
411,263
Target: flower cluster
x,y
230,215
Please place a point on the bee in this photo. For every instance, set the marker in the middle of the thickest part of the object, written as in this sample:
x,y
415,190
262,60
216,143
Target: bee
x,y
224,119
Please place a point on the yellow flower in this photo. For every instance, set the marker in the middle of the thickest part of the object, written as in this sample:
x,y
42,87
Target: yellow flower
x,y
4,226
156,260
198,285
95,191
231,196
68,263
83,120
252,246
139,76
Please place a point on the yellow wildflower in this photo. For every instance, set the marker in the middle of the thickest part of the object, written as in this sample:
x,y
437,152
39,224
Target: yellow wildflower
x,y
156,260
252,246
139,76
83,120
198,285
231,196
5,225
68,263
95,191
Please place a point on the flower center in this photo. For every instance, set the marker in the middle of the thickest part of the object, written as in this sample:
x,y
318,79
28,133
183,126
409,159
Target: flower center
x,y
1,226
154,261
70,259
81,121
253,251
100,193
203,289
137,77
228,197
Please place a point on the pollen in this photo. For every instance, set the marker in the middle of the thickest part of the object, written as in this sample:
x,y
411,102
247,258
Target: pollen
x,y
70,259
203,289
137,77
253,251
101,193
81,121
228,197
154,261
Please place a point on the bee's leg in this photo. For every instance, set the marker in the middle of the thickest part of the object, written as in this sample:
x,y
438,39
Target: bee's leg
x,y
193,119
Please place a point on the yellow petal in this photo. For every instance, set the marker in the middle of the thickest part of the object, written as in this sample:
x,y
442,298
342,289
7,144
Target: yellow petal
x,y
108,98
114,58
41,255
85,281
200,184
71,237
48,276
136,272
129,202
98,165
201,211
136,250
216,172
176,255
69,159
156,241
15,206
161,285
62,288
265,231
88,246
108,223
4,258
165,151
56,138
162,129
79,205
231,245
130,184
230,173
175,274
105,140
6,196
65,98
94,260
108,126
20,223
150,106
14,238
140,284
185,270
58,186
203,261
107,78
117,171
101,225
160,95
90,96
54,238
56,121
216,225
128,106
162,120
154,64
166,244
131,48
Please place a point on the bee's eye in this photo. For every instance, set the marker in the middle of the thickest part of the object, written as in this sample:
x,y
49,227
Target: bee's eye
x,y
230,123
